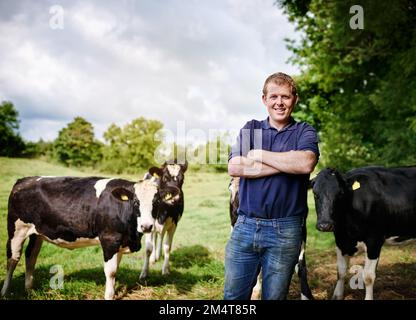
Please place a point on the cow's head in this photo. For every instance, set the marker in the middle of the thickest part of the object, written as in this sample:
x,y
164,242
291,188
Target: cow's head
x,y
174,173
149,196
329,190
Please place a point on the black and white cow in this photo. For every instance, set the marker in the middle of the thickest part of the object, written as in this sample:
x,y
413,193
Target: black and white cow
x,y
171,175
370,206
301,270
74,212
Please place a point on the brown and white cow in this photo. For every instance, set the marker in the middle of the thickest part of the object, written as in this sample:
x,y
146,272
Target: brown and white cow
x,y
171,175
74,212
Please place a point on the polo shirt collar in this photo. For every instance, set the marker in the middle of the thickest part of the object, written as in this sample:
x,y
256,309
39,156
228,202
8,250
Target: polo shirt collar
x,y
290,126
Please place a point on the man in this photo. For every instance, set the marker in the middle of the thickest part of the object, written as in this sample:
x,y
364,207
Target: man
x,y
274,158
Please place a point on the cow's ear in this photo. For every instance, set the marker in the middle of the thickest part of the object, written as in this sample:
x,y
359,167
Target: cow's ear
x,y
311,183
122,194
147,176
184,166
156,172
170,194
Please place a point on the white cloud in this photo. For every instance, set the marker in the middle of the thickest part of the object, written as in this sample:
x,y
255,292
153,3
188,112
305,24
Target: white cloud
x,y
202,62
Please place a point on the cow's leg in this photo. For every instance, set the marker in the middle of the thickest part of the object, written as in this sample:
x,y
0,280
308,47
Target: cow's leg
x,y
31,254
369,276
374,245
256,293
14,252
155,240
111,244
167,246
149,247
110,270
305,291
342,264
160,243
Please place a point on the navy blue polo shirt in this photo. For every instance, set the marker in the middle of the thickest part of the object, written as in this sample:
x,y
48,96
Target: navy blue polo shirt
x,y
280,195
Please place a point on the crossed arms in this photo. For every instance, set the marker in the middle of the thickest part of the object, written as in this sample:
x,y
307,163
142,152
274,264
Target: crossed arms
x,y
260,163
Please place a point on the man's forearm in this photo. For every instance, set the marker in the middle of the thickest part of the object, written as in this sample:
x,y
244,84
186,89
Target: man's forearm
x,y
295,162
247,168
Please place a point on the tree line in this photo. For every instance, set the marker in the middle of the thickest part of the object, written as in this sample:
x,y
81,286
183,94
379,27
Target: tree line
x,y
126,149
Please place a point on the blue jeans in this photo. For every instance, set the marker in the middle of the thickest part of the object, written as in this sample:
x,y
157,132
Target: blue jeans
x,y
272,245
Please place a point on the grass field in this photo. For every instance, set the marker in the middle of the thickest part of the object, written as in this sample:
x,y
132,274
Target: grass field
x,y
197,270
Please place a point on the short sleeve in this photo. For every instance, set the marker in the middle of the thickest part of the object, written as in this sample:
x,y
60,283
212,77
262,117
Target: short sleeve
x,y
242,145
308,140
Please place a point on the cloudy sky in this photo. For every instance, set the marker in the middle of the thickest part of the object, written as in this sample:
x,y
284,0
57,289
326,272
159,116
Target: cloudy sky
x,y
191,64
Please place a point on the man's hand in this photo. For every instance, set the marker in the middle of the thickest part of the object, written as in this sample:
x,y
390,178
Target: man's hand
x,y
294,162
247,168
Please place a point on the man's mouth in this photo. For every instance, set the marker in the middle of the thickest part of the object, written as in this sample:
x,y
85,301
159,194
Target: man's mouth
x,y
279,110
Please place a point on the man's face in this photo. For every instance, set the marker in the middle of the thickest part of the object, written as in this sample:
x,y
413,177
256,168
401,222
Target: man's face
x,y
279,102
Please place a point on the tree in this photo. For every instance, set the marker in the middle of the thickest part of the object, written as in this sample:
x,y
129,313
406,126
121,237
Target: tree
x,y
132,147
76,144
11,144
358,85
38,149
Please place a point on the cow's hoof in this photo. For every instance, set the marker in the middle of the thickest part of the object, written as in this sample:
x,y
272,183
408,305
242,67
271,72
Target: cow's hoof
x,y
165,272
337,297
143,276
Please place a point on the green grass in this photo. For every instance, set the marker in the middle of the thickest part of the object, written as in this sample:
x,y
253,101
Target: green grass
x,y
196,260
197,270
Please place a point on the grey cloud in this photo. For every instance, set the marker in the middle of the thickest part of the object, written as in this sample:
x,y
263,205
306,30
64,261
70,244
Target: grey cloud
x,y
115,61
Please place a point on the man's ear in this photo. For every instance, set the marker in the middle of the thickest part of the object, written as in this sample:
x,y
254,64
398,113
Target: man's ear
x,y
156,172
122,194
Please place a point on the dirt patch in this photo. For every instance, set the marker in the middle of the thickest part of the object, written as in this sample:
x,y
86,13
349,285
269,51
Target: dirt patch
x,y
395,275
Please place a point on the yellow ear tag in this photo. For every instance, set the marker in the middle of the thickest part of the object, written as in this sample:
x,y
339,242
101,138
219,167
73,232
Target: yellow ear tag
x,y
124,197
168,196
356,185
155,175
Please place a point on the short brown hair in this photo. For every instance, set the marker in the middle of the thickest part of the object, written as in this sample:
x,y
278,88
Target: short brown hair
x,y
281,78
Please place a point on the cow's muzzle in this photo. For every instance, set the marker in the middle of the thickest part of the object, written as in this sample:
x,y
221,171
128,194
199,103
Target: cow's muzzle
x,y
325,227
146,228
